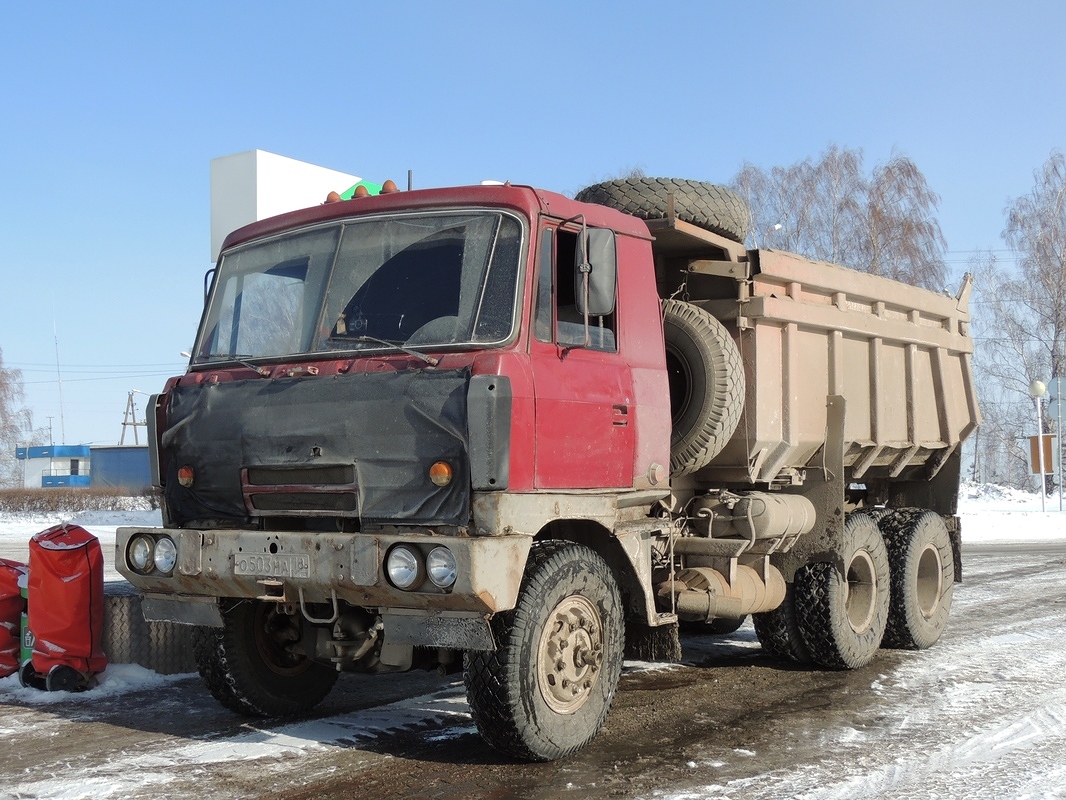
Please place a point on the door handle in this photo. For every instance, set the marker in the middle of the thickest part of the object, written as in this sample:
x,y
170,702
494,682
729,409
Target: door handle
x,y
619,415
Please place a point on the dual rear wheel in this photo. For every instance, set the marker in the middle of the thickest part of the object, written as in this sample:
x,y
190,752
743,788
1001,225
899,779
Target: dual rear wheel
x,y
892,588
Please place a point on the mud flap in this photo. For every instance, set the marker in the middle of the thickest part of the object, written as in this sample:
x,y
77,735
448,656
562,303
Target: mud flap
x,y
824,487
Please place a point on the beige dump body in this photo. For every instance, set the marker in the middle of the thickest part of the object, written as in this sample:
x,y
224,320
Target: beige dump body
x,y
899,355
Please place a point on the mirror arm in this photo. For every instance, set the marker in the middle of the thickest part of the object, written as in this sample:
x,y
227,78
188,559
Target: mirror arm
x,y
585,268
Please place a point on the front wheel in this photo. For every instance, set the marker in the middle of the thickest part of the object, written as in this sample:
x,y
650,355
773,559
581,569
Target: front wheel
x,y
251,664
545,691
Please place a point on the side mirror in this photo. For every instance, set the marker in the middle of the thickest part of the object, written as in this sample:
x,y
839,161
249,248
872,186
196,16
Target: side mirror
x,y
599,254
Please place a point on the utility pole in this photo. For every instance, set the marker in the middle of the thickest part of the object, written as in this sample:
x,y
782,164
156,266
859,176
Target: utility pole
x,y
1057,399
129,420
59,381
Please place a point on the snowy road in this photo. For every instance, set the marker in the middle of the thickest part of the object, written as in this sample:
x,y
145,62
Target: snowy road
x,y
982,714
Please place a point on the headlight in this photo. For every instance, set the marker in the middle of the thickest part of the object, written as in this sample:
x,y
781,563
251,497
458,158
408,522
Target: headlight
x,y
404,567
140,553
166,554
441,567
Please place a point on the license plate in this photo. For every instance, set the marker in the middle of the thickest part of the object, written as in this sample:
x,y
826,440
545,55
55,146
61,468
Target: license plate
x,y
268,566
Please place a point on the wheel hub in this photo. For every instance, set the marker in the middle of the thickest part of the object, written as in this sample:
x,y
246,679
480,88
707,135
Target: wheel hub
x,y
930,581
275,635
570,654
860,601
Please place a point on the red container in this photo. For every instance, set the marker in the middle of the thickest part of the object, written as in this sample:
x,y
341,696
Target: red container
x,y
66,604
12,605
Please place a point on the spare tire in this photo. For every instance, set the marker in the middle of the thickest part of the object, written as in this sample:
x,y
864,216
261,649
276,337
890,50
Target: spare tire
x,y
705,205
706,378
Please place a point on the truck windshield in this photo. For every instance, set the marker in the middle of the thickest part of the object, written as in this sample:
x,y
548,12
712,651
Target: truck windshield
x,y
409,280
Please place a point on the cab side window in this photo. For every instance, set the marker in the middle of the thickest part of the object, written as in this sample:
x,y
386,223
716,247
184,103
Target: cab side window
x,y
556,297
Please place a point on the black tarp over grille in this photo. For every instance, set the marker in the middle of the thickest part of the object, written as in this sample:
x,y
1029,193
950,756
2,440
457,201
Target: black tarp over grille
x,y
391,426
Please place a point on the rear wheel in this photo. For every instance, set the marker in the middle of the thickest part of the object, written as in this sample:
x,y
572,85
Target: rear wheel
x,y
778,630
923,577
545,691
842,616
250,664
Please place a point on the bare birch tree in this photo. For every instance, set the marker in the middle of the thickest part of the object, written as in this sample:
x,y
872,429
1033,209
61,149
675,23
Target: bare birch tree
x,y
829,209
1021,319
15,424
1036,233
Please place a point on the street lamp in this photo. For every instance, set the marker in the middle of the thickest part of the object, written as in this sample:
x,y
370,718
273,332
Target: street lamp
x,y
1037,389
770,233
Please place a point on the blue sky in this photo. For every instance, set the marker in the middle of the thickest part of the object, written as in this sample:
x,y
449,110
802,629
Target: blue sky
x,y
112,112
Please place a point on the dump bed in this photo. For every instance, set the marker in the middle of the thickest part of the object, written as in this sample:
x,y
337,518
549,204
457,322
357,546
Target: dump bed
x,y
899,355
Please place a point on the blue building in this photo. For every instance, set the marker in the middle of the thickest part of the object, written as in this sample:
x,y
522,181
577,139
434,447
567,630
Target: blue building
x,y
82,465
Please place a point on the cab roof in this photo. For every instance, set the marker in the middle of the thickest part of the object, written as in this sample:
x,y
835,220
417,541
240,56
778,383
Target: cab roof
x,y
525,200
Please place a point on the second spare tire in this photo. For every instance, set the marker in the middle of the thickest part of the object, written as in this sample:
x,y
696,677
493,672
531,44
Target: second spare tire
x,y
706,385
705,205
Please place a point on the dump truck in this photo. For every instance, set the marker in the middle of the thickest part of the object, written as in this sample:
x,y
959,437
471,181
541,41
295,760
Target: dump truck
x,y
499,430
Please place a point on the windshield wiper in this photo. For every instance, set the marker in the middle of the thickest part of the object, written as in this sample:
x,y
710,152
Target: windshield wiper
x,y
399,346
262,371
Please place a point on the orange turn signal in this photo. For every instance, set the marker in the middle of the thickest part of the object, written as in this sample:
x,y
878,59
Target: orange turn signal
x,y
185,476
441,473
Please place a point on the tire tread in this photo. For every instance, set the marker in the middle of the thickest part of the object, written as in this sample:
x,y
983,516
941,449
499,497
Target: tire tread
x,y
224,660
494,694
823,621
706,205
900,527
723,403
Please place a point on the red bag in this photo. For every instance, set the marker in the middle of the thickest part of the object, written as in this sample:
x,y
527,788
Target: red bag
x,y
66,602
11,607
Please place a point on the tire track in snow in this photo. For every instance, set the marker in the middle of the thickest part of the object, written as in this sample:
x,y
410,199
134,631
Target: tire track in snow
x,y
1043,725
128,773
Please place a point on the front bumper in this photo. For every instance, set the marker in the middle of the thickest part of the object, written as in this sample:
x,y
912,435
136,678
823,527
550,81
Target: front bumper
x,y
308,568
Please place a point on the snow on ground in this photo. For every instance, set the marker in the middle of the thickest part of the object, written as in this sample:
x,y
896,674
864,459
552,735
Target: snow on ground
x,y
17,529
117,679
272,748
992,513
982,716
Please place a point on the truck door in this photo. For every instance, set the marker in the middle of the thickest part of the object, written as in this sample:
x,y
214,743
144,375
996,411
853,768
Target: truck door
x,y
584,434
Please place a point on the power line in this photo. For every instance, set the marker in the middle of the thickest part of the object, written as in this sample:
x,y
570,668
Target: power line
x,y
107,378
28,364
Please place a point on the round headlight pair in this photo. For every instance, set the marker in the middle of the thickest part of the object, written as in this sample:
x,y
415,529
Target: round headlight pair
x,y
406,569
146,553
